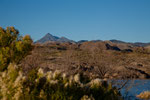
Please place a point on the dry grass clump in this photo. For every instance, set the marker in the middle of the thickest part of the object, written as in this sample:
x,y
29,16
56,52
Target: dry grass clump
x,y
144,95
11,83
38,85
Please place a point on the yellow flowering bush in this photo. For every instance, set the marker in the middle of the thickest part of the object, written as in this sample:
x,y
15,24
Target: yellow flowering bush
x,y
12,46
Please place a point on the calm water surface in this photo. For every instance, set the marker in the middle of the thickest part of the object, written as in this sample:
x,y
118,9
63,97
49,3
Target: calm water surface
x,y
133,88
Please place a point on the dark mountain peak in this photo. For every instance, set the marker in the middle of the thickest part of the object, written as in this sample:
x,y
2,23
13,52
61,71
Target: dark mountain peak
x,y
50,37
47,37
48,34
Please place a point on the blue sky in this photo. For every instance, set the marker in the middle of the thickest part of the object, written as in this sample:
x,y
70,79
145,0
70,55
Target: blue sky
x,y
127,20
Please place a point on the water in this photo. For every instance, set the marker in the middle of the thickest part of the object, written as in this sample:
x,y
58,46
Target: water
x,y
133,88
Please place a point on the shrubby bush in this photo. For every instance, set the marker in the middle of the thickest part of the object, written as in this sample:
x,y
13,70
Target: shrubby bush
x,y
13,47
38,85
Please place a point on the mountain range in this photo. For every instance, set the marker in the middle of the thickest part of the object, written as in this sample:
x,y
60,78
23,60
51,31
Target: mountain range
x,y
50,38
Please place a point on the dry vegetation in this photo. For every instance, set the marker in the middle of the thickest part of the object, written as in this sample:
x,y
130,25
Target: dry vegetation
x,y
103,60
144,95
38,85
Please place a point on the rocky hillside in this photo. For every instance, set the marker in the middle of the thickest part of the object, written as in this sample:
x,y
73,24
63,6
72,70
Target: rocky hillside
x,y
105,60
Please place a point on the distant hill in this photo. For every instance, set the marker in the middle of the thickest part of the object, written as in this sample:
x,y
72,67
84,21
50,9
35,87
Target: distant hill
x,y
136,44
50,38
81,41
117,41
140,44
96,40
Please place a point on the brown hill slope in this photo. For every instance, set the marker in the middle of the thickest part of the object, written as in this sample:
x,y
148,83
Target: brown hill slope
x,y
96,59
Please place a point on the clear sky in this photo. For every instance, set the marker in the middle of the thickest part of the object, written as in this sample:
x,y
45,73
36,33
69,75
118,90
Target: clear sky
x,y
127,20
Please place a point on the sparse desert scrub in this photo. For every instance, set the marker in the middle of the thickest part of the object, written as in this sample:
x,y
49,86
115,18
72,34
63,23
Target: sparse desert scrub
x,y
92,59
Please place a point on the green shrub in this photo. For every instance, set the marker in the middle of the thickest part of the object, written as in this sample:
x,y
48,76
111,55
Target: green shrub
x,y
12,46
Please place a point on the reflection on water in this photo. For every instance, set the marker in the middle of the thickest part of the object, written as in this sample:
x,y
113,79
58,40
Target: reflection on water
x,y
132,88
